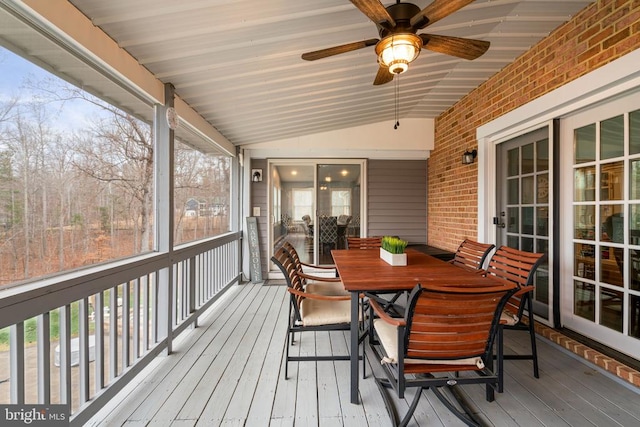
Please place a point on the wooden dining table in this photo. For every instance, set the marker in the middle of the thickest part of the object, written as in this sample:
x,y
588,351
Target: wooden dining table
x,y
362,270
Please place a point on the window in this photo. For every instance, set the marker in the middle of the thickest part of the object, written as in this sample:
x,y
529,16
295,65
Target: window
x,y
202,194
76,176
340,202
302,202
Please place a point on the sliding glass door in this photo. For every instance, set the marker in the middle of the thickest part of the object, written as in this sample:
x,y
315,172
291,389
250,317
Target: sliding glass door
x,y
314,206
338,215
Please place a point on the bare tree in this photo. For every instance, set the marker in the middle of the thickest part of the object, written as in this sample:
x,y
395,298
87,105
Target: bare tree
x,y
118,149
20,142
61,177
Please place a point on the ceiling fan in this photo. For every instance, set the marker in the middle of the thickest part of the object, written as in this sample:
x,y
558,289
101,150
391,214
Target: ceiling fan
x,y
399,44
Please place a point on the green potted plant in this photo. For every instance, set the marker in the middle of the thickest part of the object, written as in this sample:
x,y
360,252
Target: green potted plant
x,y
392,250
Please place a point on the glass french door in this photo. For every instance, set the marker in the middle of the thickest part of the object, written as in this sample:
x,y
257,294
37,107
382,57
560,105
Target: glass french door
x,y
315,206
603,231
523,205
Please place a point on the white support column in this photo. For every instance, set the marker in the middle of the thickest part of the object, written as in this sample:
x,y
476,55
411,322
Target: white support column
x,y
164,211
245,211
237,197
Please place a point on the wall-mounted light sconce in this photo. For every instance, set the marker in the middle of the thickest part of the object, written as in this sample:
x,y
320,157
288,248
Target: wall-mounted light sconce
x,y
256,175
469,156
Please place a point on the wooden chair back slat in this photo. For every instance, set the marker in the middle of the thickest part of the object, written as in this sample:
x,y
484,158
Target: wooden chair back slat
x,y
443,325
284,262
471,254
364,242
295,257
519,267
513,265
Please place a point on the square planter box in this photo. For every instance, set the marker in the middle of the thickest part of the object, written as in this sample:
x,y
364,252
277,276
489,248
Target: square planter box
x,y
393,259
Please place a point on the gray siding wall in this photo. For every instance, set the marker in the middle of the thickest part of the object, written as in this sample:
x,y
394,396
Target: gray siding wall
x,y
397,203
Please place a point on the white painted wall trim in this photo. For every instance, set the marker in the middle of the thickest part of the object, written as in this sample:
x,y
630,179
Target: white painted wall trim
x,y
414,139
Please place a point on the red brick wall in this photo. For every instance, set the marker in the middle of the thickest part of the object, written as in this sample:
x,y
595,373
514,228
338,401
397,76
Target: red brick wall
x,y
602,32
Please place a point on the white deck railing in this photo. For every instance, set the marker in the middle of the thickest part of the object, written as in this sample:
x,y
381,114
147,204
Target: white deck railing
x,y
96,328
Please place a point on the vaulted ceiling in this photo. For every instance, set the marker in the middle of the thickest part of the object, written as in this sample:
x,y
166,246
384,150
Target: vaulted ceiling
x,y
238,62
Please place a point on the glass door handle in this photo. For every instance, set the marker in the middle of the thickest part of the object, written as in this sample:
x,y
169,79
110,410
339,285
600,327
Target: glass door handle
x,y
496,222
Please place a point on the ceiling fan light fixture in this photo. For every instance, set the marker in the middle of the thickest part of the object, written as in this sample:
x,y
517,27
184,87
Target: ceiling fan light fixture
x,y
397,51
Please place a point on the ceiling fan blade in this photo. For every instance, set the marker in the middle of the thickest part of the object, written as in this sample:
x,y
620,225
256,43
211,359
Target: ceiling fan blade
x,y
376,12
436,11
455,46
383,76
323,53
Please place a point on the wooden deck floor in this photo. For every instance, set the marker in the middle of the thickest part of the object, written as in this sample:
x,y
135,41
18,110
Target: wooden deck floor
x,y
229,371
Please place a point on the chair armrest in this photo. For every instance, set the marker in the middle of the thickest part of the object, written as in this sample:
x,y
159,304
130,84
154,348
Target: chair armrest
x,y
523,290
324,267
395,321
318,296
319,279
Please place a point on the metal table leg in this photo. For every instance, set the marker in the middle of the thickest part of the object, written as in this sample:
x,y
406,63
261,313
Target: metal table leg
x,y
355,308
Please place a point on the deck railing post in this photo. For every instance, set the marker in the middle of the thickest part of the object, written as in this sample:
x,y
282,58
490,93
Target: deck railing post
x,y
83,348
113,333
98,311
17,363
192,273
64,331
44,359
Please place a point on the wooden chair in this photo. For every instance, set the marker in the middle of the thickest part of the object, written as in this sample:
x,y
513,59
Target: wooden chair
x,y
471,254
364,242
515,266
311,283
445,331
311,312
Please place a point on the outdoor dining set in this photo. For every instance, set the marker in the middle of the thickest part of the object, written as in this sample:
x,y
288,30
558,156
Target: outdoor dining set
x,y
432,324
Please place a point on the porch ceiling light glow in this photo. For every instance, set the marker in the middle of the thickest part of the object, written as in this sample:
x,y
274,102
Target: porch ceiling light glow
x,y
398,50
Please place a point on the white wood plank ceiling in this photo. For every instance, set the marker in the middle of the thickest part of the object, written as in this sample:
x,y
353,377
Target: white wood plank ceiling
x,y
237,62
